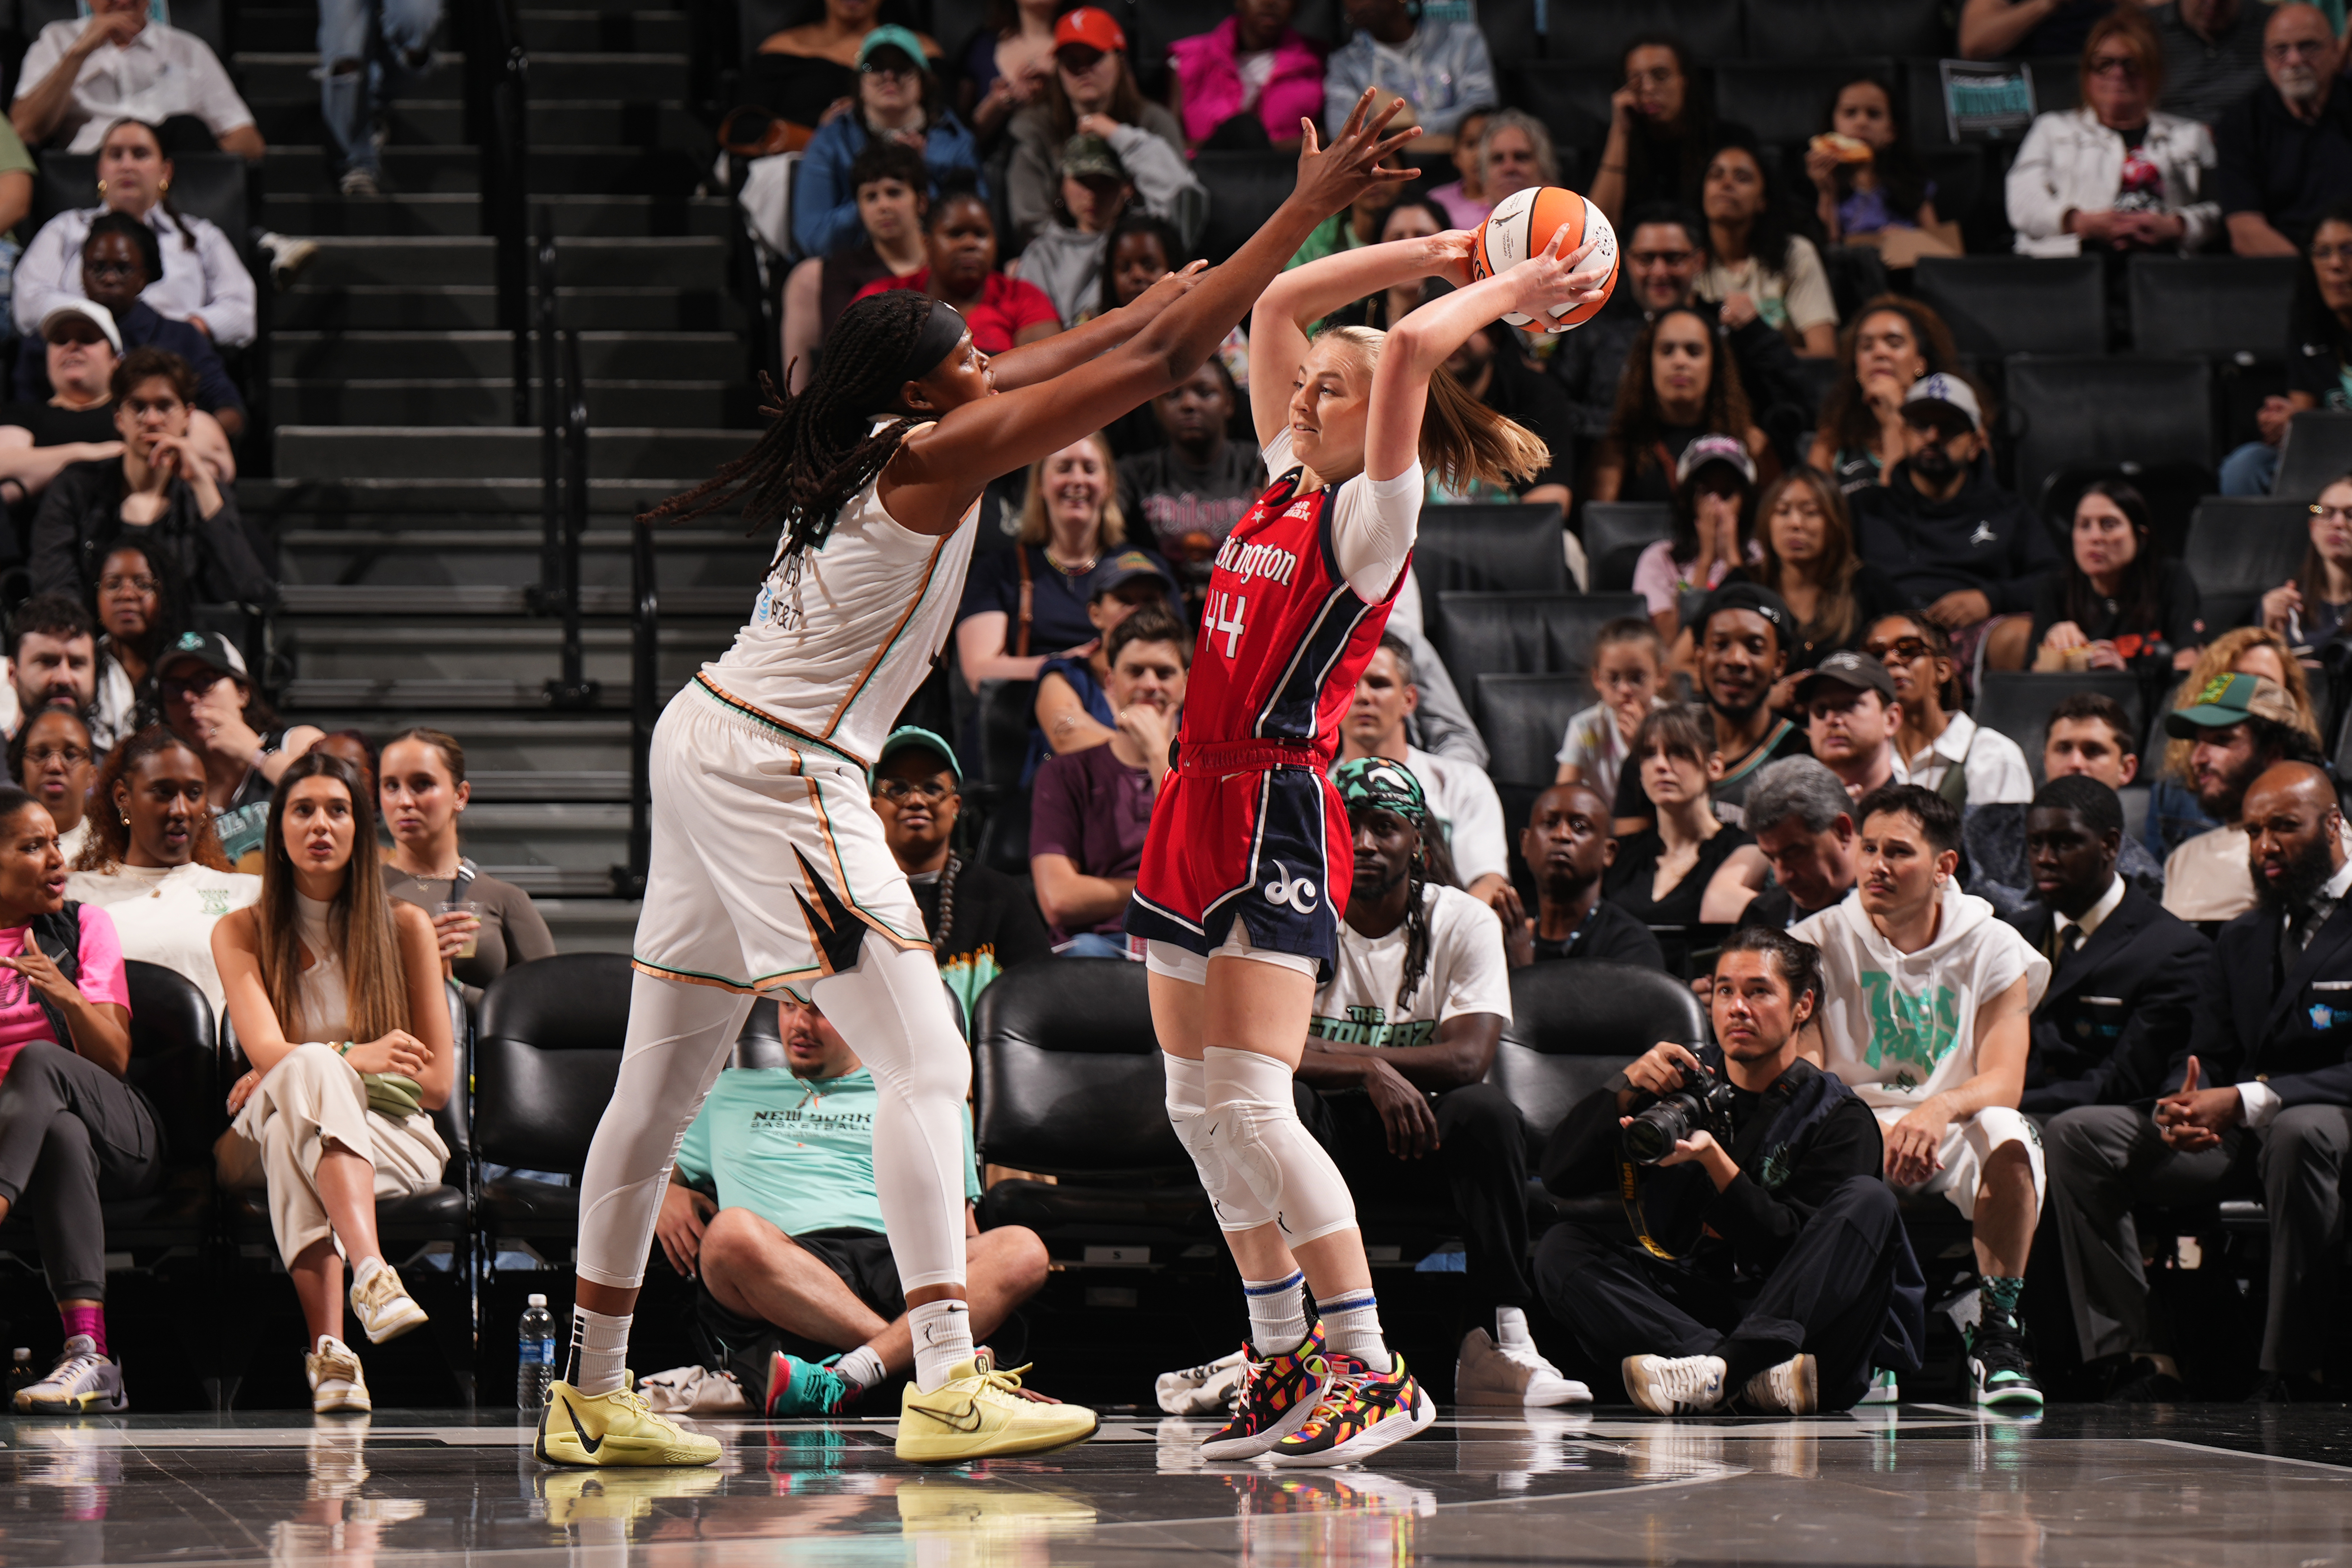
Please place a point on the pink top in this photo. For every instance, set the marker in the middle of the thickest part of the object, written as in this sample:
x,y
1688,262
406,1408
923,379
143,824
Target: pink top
x,y
1465,213
1209,78
22,1022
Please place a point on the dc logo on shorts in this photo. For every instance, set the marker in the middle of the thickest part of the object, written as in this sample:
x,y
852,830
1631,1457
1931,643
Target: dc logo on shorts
x,y
1293,892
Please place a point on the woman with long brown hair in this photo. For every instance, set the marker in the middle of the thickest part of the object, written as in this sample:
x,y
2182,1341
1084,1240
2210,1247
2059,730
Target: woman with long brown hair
x,y
1679,385
1805,542
1892,342
335,989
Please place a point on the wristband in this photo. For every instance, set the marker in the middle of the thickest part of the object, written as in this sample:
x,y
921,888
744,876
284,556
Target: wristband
x,y
345,1049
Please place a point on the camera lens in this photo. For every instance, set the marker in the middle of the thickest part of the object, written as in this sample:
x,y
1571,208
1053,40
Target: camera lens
x,y
1652,1135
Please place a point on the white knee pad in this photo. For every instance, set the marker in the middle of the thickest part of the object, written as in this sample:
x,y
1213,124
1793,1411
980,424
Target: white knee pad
x,y
1256,1132
1237,1208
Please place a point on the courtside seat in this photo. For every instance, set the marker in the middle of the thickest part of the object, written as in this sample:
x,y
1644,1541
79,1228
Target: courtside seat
x,y
548,1055
1068,1085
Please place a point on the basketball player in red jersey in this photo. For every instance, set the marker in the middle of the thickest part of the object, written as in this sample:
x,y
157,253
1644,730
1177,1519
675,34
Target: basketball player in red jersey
x,y
1248,863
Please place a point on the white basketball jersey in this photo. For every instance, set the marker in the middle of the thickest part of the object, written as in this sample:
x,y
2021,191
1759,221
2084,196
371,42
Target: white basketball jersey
x,y
835,647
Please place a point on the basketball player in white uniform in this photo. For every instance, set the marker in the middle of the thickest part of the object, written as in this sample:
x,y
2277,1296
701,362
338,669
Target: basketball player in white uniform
x,y
768,867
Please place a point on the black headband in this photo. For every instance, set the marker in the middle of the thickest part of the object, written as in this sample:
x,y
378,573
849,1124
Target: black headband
x,y
941,331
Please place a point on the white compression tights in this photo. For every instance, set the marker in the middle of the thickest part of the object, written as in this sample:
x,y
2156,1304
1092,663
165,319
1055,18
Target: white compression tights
x,y
893,1014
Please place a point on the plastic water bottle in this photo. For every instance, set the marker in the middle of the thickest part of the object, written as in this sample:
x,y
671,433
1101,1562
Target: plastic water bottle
x,y
20,1373
534,1355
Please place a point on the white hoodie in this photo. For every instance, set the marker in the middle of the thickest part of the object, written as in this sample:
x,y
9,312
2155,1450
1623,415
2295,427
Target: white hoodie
x,y
1901,1026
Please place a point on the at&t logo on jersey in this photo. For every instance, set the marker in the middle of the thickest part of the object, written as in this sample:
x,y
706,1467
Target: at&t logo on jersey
x,y
1292,892
1248,563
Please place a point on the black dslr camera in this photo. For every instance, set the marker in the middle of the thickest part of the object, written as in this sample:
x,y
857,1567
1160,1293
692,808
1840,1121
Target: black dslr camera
x,y
1704,1101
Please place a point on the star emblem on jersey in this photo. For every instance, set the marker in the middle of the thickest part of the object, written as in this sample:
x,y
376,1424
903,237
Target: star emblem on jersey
x,y
1292,892
836,933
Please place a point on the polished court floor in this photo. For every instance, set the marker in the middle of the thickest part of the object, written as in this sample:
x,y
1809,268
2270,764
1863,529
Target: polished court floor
x,y
1926,1484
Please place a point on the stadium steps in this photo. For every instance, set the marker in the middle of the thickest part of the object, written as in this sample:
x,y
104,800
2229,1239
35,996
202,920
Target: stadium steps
x,y
405,500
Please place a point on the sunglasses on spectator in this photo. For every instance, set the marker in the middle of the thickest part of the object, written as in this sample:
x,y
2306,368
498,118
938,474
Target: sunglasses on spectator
x,y
1901,651
901,72
41,756
190,685
898,791
2115,64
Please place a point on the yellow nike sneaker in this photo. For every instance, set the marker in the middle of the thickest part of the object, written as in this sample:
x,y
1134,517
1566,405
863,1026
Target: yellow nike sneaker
x,y
616,1428
978,1413
575,1499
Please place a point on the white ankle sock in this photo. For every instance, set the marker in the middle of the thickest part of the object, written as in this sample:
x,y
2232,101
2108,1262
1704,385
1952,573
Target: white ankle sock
x,y
862,1367
600,1348
943,1338
365,1271
1351,1323
1278,1313
1511,1327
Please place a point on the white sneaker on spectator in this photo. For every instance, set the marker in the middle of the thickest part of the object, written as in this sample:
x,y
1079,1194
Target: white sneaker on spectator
x,y
360,183
289,254
1676,1385
1883,1390
336,1381
382,1305
1791,1388
1210,1389
1487,1371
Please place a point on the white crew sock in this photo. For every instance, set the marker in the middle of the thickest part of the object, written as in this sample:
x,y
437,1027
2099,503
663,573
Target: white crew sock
x,y
862,1367
1351,1323
1278,1313
600,1348
1511,1328
942,1332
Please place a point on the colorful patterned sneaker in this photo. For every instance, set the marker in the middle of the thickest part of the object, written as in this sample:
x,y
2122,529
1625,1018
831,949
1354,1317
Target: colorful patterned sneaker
x,y
82,1383
980,1412
1791,1388
1277,1395
336,1383
383,1307
1674,1384
1884,1389
797,1387
1362,1412
616,1428
2000,1375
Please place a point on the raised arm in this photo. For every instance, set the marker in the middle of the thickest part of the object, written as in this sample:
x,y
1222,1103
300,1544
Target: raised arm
x,y
1420,345
1049,357
1308,293
938,472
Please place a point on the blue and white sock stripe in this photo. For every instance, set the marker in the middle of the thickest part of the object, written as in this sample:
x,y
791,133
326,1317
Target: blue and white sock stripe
x,y
1347,1301
1252,1288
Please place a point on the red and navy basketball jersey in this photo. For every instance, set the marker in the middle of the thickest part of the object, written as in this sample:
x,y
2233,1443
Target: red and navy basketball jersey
x,y
1248,827
1283,638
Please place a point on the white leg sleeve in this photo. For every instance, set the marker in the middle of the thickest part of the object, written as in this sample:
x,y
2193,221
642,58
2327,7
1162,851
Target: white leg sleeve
x,y
894,1013
1257,1132
1237,1208
679,1038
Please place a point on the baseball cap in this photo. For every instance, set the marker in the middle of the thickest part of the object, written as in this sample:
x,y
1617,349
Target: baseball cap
x,y
2230,699
1089,157
1859,671
890,36
915,738
1708,449
1090,25
1741,595
1380,781
1122,569
210,649
95,314
1952,392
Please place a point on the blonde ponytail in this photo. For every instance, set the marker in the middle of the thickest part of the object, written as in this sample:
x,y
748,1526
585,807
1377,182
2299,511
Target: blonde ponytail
x,y
1462,439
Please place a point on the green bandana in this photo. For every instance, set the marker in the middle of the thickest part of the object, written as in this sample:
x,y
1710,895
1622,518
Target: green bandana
x,y
1376,781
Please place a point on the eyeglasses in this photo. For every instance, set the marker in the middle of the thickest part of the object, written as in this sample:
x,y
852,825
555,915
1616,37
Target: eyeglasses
x,y
899,73
897,791
72,756
2299,48
190,685
2331,514
117,582
2331,253
2115,64
1902,649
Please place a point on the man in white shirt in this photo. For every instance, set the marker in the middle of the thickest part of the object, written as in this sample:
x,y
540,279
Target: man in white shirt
x,y
80,76
1851,715
1467,813
1926,1004
2242,725
2268,1060
1401,1036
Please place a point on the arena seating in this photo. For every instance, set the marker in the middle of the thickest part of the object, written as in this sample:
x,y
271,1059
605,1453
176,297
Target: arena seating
x,y
1498,549
2231,308
2239,548
1525,634
1812,29
2107,409
546,1056
1523,718
2017,703
2317,448
2003,305
1615,534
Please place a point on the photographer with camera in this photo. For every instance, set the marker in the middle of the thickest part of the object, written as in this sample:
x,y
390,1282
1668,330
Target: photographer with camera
x,y
1771,1268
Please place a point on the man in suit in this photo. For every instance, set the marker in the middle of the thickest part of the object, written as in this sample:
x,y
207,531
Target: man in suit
x,y
2268,1063
2124,974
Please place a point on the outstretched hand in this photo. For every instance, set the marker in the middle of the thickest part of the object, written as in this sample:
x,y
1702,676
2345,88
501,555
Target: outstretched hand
x,y
1330,180
1166,290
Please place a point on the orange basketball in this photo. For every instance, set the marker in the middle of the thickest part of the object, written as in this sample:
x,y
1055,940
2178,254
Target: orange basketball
x,y
1522,224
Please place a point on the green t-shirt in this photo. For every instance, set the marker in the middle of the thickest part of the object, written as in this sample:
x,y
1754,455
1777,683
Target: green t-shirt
x,y
798,1153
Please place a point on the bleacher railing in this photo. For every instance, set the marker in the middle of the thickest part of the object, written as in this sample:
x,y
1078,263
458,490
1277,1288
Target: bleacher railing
x,y
498,73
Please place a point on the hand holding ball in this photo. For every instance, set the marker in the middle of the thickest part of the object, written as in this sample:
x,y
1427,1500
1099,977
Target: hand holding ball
x,y
1522,224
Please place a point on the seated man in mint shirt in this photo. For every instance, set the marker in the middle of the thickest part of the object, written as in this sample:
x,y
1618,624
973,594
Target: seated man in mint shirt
x,y
791,1252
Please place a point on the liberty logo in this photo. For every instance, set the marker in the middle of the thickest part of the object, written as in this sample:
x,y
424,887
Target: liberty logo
x,y
1984,535
1292,892
1908,1035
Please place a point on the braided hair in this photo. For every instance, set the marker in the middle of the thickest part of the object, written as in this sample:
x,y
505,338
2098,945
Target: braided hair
x,y
821,448
946,932
1431,866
